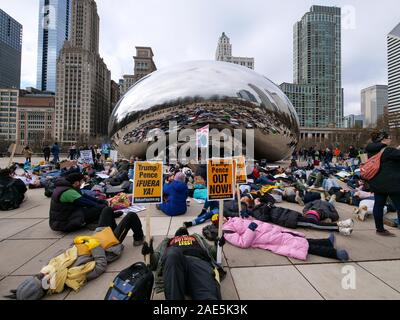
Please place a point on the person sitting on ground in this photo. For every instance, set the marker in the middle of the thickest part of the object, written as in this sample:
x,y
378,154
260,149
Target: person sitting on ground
x,y
245,233
86,260
71,210
15,193
176,193
185,265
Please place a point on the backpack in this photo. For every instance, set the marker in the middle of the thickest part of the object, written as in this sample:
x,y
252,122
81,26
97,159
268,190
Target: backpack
x,y
371,168
49,187
133,283
10,198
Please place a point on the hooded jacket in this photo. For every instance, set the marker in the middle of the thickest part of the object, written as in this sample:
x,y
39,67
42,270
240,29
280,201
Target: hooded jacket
x,y
280,216
266,236
177,193
324,208
388,178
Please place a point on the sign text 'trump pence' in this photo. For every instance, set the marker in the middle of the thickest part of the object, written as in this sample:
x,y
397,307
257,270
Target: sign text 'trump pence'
x,y
147,185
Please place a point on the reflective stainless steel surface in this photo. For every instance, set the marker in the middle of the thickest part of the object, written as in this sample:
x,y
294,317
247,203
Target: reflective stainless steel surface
x,y
197,93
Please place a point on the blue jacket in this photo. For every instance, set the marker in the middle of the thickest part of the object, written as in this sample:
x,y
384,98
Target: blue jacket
x,y
55,149
176,193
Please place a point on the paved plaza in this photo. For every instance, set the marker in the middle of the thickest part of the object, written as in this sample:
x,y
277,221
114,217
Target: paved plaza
x,y
27,244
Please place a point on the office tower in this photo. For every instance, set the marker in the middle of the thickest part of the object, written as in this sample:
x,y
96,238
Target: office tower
x,y
317,92
54,29
83,80
393,43
143,65
10,51
224,53
373,102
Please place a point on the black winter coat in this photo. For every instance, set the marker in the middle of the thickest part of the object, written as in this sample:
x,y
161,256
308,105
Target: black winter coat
x,y
280,216
324,208
387,181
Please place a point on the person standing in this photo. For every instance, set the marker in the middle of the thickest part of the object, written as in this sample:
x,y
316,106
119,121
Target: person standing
x,y
72,152
28,154
386,183
55,150
46,153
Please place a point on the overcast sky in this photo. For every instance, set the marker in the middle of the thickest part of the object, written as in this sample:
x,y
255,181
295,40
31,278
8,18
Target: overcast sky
x,y
182,30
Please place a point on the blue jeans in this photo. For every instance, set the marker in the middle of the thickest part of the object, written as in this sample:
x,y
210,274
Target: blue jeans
x,y
380,202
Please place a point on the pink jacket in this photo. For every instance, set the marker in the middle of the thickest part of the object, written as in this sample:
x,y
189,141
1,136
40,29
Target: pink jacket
x,y
266,236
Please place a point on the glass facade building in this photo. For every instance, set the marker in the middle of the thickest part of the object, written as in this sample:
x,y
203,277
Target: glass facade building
x,y
54,29
393,43
317,62
10,51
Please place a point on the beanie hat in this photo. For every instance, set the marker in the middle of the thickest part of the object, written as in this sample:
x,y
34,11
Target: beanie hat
x,y
180,176
30,289
182,232
73,177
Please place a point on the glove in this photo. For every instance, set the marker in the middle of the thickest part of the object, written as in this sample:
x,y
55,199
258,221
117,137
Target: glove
x,y
92,243
220,242
244,214
253,226
81,239
147,249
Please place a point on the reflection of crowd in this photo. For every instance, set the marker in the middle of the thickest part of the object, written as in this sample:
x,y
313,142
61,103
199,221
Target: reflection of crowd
x,y
224,114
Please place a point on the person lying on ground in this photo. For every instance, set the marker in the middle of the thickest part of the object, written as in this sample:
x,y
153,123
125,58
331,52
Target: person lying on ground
x,y
247,233
185,265
86,260
265,211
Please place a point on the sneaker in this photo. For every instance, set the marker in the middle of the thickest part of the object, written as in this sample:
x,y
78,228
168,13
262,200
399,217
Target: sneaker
x,y
342,255
362,213
385,233
332,200
345,231
138,243
349,223
332,239
187,224
298,199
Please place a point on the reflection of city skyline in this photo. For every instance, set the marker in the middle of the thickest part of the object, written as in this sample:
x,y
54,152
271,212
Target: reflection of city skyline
x,y
256,103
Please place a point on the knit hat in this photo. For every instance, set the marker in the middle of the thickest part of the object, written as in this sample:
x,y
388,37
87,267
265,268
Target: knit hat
x,y
180,176
30,289
181,232
73,177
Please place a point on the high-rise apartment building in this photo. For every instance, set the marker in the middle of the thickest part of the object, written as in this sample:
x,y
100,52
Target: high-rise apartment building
x,y
10,51
143,65
8,114
317,92
83,80
373,102
224,53
393,43
54,29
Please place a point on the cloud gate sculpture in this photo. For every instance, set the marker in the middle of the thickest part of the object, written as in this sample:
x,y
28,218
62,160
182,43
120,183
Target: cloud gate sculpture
x,y
199,93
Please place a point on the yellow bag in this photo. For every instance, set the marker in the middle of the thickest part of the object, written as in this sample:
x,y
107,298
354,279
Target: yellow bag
x,y
106,237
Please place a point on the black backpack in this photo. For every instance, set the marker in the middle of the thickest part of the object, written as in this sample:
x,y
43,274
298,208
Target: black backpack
x,y
10,198
133,283
49,187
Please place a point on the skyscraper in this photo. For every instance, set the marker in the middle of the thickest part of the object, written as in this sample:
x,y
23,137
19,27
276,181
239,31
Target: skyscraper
x,y
373,102
54,29
317,92
144,65
10,51
393,41
83,80
224,53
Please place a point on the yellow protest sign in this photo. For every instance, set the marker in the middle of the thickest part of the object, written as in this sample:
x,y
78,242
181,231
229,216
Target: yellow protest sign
x,y
220,179
148,182
241,176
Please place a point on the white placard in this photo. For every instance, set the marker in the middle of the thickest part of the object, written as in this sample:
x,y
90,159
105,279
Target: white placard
x,y
86,157
114,155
